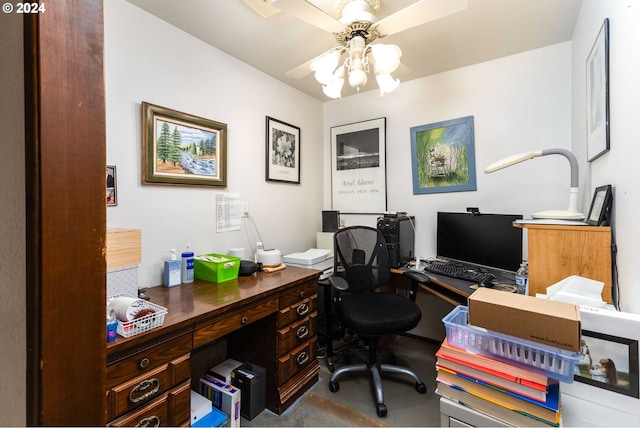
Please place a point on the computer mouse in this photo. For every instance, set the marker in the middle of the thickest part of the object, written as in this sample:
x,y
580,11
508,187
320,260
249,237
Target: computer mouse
x,y
486,283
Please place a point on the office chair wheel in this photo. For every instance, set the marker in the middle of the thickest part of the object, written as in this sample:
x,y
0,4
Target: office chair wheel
x,y
381,410
421,388
331,367
334,386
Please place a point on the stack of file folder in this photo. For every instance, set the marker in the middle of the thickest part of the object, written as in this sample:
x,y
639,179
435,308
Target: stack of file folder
x,y
510,393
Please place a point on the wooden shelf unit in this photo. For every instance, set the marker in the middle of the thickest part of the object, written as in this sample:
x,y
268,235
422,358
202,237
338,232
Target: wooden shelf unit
x,y
559,251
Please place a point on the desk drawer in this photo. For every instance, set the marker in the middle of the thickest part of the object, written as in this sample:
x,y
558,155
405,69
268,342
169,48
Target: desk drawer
x,y
291,297
170,409
296,360
296,333
224,326
297,310
144,388
147,360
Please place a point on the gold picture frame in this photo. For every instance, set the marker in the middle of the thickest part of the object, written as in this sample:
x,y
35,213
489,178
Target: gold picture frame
x,y
182,149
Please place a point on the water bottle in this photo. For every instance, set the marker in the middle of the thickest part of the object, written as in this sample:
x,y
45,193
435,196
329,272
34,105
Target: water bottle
x,y
522,278
187,266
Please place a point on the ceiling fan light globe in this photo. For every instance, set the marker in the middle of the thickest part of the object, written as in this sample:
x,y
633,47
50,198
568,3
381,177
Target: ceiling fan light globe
x,y
357,78
387,83
324,65
334,87
386,57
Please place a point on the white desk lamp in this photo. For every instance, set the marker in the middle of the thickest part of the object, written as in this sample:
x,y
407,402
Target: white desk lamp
x,y
569,214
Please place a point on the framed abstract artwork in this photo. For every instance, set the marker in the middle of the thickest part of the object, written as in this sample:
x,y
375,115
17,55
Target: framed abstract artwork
x,y
443,156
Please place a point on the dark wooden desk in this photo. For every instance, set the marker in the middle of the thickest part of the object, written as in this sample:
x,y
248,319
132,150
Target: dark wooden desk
x,y
268,319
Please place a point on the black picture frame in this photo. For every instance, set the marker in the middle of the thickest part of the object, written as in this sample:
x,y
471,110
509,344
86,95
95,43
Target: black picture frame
x,y
626,355
597,70
112,186
599,211
282,152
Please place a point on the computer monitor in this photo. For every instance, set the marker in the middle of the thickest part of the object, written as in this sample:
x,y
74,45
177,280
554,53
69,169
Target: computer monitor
x,y
487,242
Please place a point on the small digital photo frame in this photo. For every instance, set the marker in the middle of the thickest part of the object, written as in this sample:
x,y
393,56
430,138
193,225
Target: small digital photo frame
x,y
599,211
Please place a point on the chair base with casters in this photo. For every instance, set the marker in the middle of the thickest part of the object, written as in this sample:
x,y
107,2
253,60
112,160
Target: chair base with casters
x,y
376,370
404,312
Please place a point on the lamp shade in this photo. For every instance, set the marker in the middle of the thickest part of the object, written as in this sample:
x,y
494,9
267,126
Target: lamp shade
x,y
334,87
324,65
387,58
386,83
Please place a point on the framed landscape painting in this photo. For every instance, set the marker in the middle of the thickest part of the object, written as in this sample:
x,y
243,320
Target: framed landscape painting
x,y
179,148
443,156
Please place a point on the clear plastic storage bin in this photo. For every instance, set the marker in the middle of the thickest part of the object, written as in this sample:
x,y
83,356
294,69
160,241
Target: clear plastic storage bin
x,y
556,363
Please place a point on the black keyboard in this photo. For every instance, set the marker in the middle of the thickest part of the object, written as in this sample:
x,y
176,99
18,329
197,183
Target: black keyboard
x,y
459,272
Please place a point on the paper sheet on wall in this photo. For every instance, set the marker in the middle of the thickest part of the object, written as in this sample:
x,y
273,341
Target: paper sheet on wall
x,y
228,212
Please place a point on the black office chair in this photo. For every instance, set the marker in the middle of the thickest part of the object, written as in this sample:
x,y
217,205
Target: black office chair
x,y
362,265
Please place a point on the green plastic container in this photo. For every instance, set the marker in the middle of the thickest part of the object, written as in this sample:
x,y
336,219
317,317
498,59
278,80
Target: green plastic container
x,y
216,271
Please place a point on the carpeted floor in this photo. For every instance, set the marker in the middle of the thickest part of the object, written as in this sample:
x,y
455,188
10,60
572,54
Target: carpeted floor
x,y
354,404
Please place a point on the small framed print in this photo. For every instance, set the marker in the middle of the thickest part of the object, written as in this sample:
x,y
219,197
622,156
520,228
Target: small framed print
x,y
112,195
599,212
283,151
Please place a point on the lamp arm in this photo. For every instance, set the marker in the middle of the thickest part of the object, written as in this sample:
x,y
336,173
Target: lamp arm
x,y
573,162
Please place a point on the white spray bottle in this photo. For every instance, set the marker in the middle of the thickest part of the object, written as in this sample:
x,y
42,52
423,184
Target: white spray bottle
x,y
172,270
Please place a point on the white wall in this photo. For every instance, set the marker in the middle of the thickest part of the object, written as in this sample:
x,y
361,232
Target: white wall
x,y
13,357
618,167
147,59
519,103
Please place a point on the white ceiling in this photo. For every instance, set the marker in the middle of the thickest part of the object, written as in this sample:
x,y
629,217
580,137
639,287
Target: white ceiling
x,y
486,30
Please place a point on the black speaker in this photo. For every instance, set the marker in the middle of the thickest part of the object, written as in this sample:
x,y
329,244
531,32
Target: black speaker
x,y
330,221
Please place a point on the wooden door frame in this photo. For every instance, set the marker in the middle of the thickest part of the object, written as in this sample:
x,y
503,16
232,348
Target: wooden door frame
x,y
65,147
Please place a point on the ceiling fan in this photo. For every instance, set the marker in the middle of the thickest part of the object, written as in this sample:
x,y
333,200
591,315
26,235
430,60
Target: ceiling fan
x,y
355,26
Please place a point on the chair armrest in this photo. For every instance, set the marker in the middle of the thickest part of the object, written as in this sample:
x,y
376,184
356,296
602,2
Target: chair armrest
x,y
416,278
339,283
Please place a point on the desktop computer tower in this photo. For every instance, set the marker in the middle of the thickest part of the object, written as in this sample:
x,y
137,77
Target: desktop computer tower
x,y
398,232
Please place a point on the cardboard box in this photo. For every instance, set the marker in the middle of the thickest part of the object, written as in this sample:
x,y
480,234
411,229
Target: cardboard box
x,y
225,398
223,370
548,322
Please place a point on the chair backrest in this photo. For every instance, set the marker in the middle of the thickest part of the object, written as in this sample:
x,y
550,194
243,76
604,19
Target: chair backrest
x,y
361,257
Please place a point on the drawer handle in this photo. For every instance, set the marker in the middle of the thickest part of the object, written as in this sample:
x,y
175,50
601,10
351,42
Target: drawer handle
x,y
302,294
144,363
144,386
302,332
302,309
244,320
152,421
302,358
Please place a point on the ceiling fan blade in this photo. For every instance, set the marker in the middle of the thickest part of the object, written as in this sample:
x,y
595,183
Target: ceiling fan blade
x,y
261,7
419,13
309,13
300,71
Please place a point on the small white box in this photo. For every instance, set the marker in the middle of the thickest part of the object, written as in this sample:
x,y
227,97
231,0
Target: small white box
x,y
224,397
200,406
223,370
